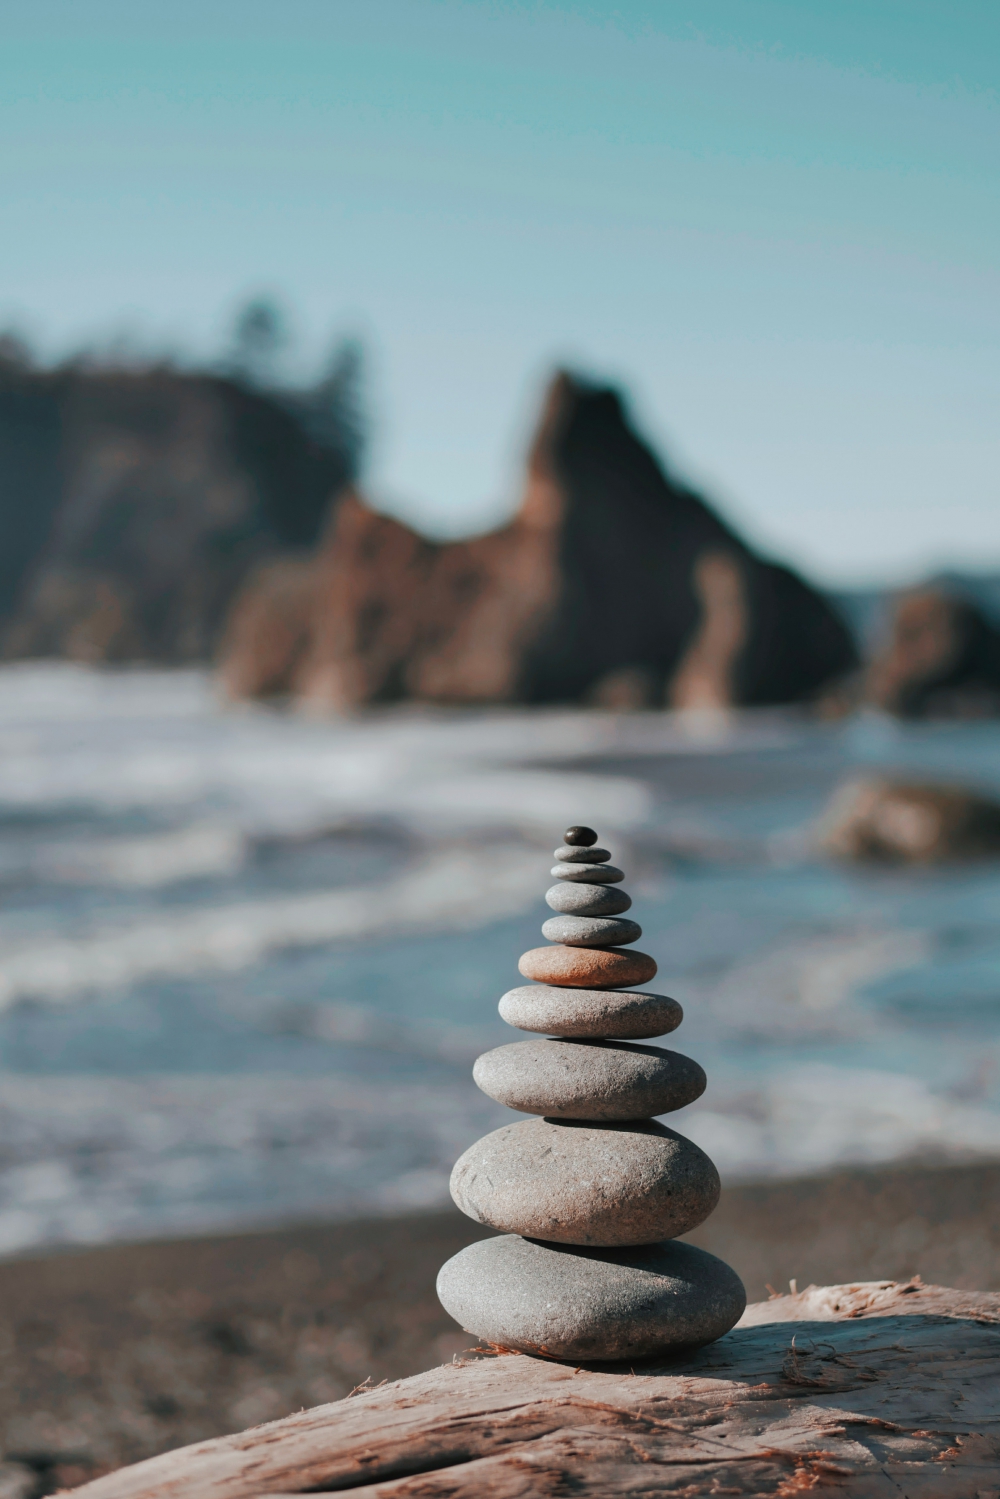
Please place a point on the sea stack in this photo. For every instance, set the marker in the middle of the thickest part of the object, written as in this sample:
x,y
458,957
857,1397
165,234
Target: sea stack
x,y
592,1193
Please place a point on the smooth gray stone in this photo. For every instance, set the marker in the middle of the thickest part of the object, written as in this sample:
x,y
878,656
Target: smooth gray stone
x,y
591,931
587,874
581,1183
567,854
590,1012
590,1304
589,1079
587,900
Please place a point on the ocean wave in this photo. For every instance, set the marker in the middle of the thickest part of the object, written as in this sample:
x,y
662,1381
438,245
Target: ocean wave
x,y
309,903
449,890
815,1117
74,737
89,1160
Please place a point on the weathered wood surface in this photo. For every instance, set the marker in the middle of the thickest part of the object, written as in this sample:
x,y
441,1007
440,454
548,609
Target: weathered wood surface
x,y
876,1390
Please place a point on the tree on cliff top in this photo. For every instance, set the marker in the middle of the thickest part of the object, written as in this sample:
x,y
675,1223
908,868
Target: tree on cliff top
x,y
330,411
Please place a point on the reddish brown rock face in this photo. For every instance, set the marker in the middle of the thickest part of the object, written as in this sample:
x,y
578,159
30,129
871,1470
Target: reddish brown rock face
x,y
272,621
400,617
394,616
612,585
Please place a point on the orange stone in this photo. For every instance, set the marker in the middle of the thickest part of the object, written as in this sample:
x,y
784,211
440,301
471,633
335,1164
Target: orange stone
x,y
587,967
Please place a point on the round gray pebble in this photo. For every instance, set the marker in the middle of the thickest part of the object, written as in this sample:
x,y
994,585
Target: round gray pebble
x,y
567,854
577,1182
590,1304
591,931
590,1012
587,900
589,1079
588,874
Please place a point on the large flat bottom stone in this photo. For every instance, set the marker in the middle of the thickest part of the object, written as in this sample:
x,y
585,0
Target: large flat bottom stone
x,y
560,1301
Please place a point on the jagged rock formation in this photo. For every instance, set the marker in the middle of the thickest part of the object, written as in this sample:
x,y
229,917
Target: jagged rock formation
x,y
141,503
136,502
593,1193
942,659
613,584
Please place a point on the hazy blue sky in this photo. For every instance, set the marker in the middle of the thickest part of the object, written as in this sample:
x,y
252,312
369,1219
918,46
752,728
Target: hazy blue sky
x,y
775,223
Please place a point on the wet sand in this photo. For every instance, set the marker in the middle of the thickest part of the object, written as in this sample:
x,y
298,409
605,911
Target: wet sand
x,y
113,1354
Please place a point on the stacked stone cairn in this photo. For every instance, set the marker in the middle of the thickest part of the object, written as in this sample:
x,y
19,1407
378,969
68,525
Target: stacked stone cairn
x,y
591,1195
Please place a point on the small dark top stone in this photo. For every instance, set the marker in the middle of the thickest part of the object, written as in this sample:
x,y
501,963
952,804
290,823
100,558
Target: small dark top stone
x,y
580,837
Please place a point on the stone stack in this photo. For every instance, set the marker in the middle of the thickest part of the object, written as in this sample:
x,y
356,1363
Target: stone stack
x,y
591,1194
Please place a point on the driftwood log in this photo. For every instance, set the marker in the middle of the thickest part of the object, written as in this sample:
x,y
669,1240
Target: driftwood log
x,y
878,1389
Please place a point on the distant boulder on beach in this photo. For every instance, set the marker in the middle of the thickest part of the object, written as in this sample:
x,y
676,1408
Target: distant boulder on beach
x,y
614,585
902,822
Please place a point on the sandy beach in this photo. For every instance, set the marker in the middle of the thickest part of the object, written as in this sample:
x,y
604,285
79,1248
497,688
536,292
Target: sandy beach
x,y
113,1354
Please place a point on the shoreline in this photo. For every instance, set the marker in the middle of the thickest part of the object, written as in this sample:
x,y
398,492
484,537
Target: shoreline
x,y
117,1352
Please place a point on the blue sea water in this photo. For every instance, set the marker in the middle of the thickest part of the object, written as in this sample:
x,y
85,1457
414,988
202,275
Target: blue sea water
x,y
247,958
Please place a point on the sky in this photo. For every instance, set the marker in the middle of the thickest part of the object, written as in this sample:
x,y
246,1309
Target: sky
x,y
775,225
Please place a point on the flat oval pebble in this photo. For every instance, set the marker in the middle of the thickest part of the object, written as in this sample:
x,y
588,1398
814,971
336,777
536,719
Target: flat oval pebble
x,y
587,900
591,874
590,1012
589,1079
567,854
582,1183
590,1304
591,931
587,967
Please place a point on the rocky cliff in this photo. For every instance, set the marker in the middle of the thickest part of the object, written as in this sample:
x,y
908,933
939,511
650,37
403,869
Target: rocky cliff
x,y
941,659
613,584
135,503
158,515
